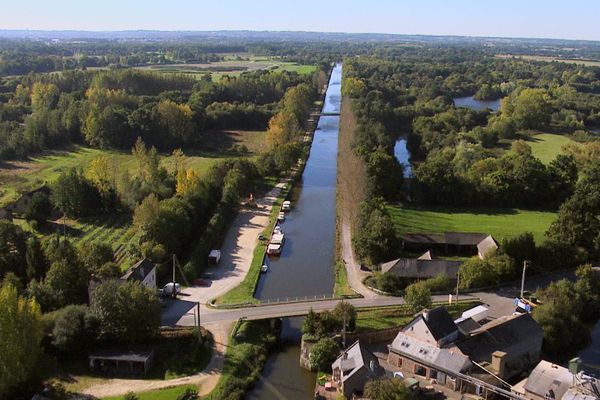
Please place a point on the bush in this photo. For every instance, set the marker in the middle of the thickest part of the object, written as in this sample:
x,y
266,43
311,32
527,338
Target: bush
x,y
389,282
418,297
439,283
74,329
323,353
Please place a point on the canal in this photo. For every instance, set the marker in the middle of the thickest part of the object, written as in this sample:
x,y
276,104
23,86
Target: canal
x,y
305,267
282,377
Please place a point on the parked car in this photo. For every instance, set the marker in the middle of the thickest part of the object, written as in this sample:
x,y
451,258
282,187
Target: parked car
x,y
170,290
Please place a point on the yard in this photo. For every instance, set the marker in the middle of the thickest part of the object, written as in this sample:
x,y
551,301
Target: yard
x,y
498,222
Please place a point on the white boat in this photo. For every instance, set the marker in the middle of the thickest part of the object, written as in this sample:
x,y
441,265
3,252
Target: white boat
x,y
277,238
286,206
281,216
274,249
264,268
277,229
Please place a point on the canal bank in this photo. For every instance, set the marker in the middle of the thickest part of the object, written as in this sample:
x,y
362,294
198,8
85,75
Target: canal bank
x,y
305,267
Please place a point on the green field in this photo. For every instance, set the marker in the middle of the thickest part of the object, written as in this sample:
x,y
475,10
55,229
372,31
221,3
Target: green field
x,y
233,65
498,222
160,394
21,176
546,146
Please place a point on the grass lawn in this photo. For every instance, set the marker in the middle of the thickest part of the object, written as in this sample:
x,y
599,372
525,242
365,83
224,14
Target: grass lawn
x,y
20,176
341,287
498,222
546,146
160,394
389,317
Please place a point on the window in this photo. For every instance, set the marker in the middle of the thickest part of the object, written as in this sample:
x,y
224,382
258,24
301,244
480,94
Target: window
x,y
433,374
420,370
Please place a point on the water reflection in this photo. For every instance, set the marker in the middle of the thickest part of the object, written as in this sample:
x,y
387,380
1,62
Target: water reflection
x,y
478,105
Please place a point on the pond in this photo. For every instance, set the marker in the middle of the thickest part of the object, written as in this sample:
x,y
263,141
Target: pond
x,y
478,105
305,267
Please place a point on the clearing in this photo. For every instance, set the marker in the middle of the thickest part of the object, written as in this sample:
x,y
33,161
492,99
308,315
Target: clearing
x,y
498,222
586,62
546,146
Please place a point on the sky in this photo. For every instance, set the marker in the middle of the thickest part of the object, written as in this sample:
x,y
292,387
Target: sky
x,y
565,19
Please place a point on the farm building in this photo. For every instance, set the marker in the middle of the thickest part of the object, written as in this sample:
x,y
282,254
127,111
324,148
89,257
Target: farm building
x,y
354,368
418,268
122,363
455,243
21,204
434,347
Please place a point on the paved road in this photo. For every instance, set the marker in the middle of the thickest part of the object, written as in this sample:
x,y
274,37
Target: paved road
x,y
182,311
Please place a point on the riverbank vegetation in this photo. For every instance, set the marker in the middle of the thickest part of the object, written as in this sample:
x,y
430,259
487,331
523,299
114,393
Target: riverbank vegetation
x,y
244,359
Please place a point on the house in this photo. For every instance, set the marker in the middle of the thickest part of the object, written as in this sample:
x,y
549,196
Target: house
x,y
6,215
21,204
455,243
143,271
354,368
549,381
421,268
434,346
486,246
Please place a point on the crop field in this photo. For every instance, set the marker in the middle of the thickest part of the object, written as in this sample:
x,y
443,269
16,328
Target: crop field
x,y
232,66
498,222
21,176
588,63
546,146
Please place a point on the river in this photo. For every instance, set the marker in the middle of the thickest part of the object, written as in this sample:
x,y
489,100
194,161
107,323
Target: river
x,y
478,105
305,267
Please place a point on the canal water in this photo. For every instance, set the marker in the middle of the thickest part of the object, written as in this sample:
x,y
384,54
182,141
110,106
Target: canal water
x,y
590,356
305,267
478,105
282,377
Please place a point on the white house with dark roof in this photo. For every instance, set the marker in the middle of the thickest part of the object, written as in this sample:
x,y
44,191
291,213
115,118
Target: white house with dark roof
x,y
354,368
143,271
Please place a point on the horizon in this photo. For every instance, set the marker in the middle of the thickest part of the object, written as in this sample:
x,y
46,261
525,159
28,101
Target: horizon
x,y
536,19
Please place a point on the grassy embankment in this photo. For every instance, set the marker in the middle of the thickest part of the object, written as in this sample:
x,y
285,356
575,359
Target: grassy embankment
x,y
351,189
498,222
249,348
389,317
21,176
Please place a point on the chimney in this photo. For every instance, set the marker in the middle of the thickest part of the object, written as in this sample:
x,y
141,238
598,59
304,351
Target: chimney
x,y
426,315
575,365
499,362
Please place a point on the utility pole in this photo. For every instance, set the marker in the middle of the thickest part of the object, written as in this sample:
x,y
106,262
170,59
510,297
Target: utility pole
x,y
525,265
199,333
457,284
344,327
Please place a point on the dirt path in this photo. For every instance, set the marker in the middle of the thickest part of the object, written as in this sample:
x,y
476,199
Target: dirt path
x,y
353,272
206,379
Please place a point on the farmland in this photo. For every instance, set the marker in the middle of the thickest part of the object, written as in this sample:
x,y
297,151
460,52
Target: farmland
x,y
233,65
114,228
498,222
